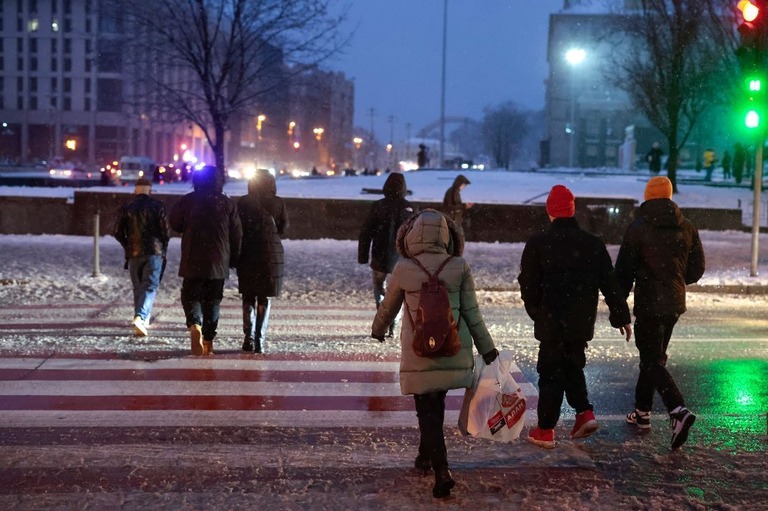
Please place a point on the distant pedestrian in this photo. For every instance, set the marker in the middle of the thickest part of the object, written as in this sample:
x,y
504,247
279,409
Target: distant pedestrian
x,y
422,158
661,253
379,235
726,165
453,207
142,230
431,240
653,157
739,159
709,163
562,272
210,245
260,266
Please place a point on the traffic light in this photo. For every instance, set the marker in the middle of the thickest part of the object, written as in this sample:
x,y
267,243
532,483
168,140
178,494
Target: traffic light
x,y
754,107
753,31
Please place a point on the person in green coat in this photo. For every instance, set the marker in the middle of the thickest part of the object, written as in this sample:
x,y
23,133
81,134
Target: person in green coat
x,y
430,237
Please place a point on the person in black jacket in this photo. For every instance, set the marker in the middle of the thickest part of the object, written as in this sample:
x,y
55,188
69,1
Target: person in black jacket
x,y
379,234
562,271
210,244
660,254
453,207
260,268
142,230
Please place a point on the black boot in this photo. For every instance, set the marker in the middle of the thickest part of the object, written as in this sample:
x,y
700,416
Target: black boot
x,y
247,344
422,464
249,314
443,483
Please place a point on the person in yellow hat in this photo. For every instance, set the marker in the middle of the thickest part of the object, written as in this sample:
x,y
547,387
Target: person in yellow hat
x,y
661,253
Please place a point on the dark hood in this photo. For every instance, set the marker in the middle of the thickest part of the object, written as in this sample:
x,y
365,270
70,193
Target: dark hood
x,y
394,186
661,213
460,180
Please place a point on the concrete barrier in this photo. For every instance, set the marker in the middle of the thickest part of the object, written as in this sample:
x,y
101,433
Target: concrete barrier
x,y
342,219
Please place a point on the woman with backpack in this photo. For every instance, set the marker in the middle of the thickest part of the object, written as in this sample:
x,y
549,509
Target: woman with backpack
x,y
430,245
260,272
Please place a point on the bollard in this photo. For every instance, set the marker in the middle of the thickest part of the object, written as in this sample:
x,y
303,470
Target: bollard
x,y
96,270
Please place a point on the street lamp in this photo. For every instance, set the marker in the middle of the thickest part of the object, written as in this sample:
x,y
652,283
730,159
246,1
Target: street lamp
x,y
259,121
358,142
318,133
574,57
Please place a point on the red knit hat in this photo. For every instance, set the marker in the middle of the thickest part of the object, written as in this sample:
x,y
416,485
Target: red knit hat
x,y
561,203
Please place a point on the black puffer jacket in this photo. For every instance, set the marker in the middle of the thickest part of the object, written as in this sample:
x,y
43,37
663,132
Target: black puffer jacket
x,y
561,273
660,254
381,225
264,220
142,228
210,229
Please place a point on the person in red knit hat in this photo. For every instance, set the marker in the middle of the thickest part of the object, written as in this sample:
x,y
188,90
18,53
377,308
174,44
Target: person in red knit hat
x,y
562,272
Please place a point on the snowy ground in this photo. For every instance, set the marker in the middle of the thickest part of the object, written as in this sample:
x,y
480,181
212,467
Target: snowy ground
x,y
59,269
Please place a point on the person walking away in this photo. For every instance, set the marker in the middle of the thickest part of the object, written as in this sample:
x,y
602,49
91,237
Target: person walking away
x,y
433,241
562,271
142,230
210,244
653,157
661,253
739,159
422,159
726,165
260,269
378,235
453,207
709,163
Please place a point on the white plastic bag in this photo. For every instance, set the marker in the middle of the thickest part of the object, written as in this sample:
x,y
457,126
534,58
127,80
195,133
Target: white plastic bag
x,y
494,408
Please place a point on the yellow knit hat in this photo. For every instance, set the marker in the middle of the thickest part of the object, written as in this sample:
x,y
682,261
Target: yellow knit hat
x,y
658,187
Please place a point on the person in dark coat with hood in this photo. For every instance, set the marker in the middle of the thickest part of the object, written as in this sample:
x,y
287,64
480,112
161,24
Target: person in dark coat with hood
x,y
142,230
379,232
210,245
260,269
453,207
431,238
661,253
562,272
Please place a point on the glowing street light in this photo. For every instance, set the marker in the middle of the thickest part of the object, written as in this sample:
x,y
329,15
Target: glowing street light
x,y
291,126
358,142
259,121
574,57
318,133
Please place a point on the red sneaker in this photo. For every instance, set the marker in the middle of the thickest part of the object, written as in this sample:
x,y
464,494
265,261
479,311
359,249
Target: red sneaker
x,y
542,437
585,425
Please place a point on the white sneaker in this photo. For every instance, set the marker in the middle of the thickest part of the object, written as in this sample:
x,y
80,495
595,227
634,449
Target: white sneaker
x,y
140,326
680,421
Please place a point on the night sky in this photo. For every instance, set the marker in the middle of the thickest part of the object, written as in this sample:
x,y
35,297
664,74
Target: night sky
x,y
496,52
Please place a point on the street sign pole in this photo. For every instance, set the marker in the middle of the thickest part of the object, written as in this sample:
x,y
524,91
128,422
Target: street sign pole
x,y
757,185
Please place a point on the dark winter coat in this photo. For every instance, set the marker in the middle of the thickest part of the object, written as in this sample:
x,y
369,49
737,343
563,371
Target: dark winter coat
x,y
142,228
430,237
210,230
379,232
453,207
264,220
561,273
660,254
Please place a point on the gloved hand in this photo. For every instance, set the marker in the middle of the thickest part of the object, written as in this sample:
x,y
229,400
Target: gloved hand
x,y
379,338
490,356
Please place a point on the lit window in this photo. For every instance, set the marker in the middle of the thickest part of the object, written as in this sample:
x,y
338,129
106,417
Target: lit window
x,y
33,25
55,26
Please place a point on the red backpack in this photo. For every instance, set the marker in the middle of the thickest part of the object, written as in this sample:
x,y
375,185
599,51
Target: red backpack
x,y
435,333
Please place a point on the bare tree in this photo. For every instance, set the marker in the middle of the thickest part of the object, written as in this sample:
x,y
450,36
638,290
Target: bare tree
x,y
211,61
504,129
676,58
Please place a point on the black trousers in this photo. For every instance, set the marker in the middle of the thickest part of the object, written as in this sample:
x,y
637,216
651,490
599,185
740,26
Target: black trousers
x,y
430,410
561,372
201,300
652,335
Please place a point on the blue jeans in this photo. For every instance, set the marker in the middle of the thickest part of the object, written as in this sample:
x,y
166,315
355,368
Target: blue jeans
x,y
201,299
146,272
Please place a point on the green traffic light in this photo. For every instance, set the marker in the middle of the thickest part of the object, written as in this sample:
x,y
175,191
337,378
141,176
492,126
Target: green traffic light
x,y
755,85
752,120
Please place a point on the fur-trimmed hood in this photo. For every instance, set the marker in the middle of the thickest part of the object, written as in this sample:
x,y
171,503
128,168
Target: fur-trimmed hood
x,y
429,231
